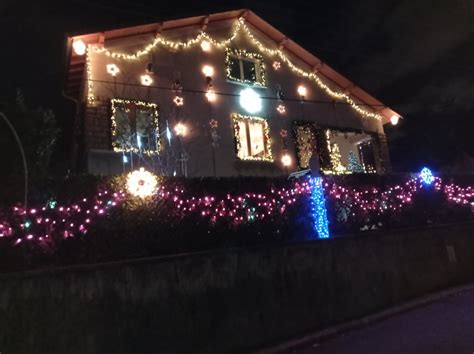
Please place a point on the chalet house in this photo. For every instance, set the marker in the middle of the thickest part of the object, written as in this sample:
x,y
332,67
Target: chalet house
x,y
224,94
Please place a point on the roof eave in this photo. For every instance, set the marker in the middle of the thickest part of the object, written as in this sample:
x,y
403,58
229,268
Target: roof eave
x,y
314,63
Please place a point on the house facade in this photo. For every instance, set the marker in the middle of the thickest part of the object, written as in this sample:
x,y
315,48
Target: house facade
x,y
218,95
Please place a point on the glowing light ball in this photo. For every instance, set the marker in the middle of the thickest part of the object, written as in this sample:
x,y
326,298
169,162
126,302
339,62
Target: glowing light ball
x,y
208,70
426,176
180,129
250,100
146,80
276,65
286,160
141,183
79,47
205,46
302,91
112,69
211,95
394,119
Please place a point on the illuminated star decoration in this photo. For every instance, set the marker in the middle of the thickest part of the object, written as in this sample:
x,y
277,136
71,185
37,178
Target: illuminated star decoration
x,y
426,176
213,124
141,183
276,65
178,100
281,108
318,207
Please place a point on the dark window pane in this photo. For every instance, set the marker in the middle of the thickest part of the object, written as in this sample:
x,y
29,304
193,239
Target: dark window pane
x,y
234,68
250,73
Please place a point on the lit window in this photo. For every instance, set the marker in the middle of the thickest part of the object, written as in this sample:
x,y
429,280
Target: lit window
x,y
135,126
245,67
252,139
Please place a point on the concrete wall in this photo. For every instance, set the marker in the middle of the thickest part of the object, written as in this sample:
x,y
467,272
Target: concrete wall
x,y
226,301
196,111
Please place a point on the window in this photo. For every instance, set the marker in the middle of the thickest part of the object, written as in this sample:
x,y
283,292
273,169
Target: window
x,y
245,67
339,151
252,139
135,126
305,144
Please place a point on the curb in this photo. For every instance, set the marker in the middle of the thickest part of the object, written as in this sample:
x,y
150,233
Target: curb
x,y
364,321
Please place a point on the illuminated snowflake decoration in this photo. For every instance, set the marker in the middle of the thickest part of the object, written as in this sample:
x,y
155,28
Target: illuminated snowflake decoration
x,y
146,80
178,100
281,109
283,133
112,69
276,65
141,183
426,176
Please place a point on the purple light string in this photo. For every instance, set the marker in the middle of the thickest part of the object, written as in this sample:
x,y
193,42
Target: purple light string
x,y
75,219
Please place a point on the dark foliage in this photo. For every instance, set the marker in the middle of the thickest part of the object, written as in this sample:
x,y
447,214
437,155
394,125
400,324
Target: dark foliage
x,y
144,231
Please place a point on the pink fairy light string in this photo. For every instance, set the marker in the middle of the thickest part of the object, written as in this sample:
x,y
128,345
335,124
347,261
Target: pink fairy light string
x,y
55,222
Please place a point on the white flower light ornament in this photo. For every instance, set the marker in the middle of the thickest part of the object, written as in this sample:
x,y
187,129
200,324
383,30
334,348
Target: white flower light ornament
x,y
141,183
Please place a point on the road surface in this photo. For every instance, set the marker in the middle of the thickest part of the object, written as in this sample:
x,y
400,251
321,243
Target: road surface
x,y
442,327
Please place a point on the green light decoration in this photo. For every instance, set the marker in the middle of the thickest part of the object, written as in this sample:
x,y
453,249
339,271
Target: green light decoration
x,y
27,224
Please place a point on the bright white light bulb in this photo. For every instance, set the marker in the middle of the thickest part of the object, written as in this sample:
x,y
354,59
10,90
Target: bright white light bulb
x,y
286,160
208,70
211,95
146,80
79,47
180,129
394,119
302,91
205,46
112,69
250,100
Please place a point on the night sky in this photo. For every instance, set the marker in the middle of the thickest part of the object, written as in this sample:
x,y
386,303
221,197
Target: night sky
x,y
416,56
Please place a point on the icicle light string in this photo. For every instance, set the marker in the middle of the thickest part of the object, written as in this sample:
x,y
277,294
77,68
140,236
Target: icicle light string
x,y
239,26
53,221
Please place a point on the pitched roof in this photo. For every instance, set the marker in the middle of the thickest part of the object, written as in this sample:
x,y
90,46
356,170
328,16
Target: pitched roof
x,y
76,64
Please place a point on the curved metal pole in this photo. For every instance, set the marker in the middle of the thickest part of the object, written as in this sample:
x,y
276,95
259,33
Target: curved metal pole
x,y
22,155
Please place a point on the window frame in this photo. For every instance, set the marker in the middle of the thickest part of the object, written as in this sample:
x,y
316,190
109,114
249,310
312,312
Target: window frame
x,y
236,119
152,108
241,55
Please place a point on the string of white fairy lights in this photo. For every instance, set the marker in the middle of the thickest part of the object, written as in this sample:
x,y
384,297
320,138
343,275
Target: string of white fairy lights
x,y
239,26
